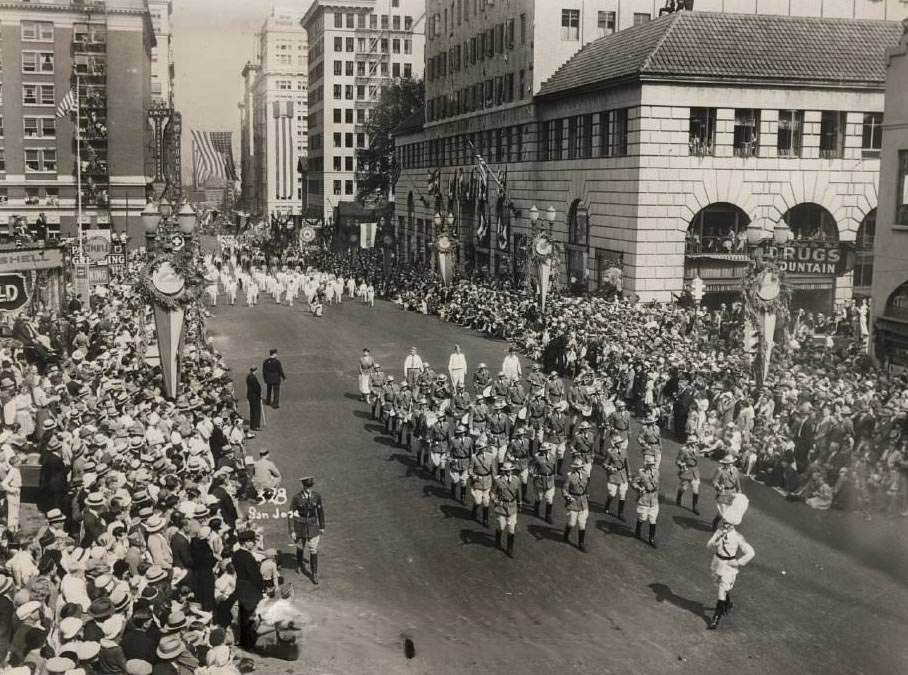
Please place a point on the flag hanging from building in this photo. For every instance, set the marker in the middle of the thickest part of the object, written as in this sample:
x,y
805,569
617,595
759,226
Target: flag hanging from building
x,y
432,180
367,234
213,156
67,105
503,224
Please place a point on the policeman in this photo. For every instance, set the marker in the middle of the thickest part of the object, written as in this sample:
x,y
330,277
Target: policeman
x,y
518,454
459,461
376,383
650,438
619,423
481,379
306,522
582,445
483,467
555,432
688,474
618,471
727,542
542,469
554,389
536,410
506,496
646,483
499,428
439,438
727,484
576,501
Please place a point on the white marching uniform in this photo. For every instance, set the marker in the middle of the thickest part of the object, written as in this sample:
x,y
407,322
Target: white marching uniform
x,y
727,542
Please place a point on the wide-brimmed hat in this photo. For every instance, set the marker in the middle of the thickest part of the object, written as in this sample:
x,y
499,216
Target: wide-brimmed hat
x,y
170,647
155,574
70,627
176,621
95,499
26,609
101,608
500,404
507,466
155,524
728,459
138,667
58,665
55,516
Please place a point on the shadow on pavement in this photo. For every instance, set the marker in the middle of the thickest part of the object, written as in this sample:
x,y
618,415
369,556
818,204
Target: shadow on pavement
x,y
435,491
352,397
486,539
664,594
541,532
387,442
362,414
615,527
692,523
460,512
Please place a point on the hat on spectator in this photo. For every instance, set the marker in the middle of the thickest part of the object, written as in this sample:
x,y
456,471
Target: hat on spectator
x,y
27,609
138,667
58,664
70,627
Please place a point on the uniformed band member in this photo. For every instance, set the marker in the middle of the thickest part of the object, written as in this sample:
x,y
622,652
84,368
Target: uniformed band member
x,y
555,433
481,379
619,423
646,483
618,471
576,501
483,467
306,522
727,484
459,461
582,445
542,468
498,429
727,543
506,497
688,475
518,454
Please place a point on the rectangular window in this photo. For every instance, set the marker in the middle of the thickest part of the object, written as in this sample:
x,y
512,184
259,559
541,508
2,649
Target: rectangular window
x,y
40,127
556,140
523,29
338,92
348,187
832,134
37,62
641,17
348,163
395,22
337,187
360,140
338,44
509,34
791,127
348,140
574,135
901,210
3,168
338,20
350,20
395,46
543,140
337,163
37,31
348,115
408,23
338,139
373,21
348,92
350,44
348,68
337,115
613,133
747,130
702,135
872,134
605,23
586,137
338,67
40,160
570,25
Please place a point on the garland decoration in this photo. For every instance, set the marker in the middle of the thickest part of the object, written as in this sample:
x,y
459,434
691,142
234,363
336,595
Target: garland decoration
x,y
180,264
763,273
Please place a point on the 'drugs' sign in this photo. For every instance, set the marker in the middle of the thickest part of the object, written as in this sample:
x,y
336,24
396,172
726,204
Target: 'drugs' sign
x,y
812,258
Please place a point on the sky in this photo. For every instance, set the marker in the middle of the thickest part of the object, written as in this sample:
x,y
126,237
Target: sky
x,y
212,40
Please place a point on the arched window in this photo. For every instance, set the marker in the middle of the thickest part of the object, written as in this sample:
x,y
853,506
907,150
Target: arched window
x,y
897,304
811,222
578,224
719,228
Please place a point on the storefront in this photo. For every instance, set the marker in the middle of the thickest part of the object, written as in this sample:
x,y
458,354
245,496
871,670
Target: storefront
x,y
813,260
716,251
31,280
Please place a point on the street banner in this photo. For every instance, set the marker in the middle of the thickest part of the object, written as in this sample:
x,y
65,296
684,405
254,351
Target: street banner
x,y
367,234
169,328
545,271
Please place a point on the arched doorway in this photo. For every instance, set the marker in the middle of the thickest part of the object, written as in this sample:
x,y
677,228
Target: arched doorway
x,y
716,251
863,256
889,330
813,231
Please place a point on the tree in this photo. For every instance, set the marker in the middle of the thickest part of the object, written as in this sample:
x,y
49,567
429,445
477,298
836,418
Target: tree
x,y
375,163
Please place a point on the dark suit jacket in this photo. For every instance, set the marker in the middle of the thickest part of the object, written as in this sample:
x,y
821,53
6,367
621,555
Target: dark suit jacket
x,y
253,388
182,556
249,583
7,621
92,527
138,644
272,371
227,506
53,473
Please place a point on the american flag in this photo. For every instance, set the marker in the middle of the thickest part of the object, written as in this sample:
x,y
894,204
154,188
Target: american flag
x,y
213,156
67,105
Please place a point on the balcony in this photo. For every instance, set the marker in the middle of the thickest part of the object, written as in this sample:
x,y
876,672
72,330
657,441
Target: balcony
x,y
700,147
747,149
716,245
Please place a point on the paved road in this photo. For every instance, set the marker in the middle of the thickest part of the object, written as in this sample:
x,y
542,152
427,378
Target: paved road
x,y
826,592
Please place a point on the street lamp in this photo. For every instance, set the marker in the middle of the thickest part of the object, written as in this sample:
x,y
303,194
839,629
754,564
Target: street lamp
x,y
781,234
534,214
550,215
755,234
187,219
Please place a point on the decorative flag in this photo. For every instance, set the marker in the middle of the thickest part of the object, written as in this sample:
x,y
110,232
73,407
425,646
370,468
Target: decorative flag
x,y
432,185
367,235
502,225
67,105
213,155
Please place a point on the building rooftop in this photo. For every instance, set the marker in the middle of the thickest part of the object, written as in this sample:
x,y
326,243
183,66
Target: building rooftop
x,y
708,46
410,124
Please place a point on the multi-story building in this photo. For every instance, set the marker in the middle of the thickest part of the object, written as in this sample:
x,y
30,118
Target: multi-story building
x,y
163,70
657,147
357,47
102,52
275,121
888,318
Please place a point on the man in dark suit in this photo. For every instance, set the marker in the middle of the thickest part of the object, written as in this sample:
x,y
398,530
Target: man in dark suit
x,y
273,374
53,480
254,396
249,588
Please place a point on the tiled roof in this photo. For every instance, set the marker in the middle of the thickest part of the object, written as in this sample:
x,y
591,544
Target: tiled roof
x,y
714,46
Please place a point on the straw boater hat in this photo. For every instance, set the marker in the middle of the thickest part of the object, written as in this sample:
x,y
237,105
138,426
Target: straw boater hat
x,y
728,459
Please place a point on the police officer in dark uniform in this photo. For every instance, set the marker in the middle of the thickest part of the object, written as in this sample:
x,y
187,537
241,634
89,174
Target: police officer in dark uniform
x,y
254,397
306,522
273,374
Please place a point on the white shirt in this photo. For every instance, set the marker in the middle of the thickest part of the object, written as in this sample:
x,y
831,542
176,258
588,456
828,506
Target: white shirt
x,y
457,361
412,361
511,367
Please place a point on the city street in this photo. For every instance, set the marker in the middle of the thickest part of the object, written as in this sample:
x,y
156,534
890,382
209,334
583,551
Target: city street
x,y
400,559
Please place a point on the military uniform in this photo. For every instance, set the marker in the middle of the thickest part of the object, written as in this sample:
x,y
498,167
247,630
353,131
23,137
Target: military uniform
x,y
536,378
727,484
518,454
577,502
388,395
438,447
516,398
481,379
618,471
554,390
483,467
619,424
500,387
479,417
536,410
582,446
727,542
403,409
499,430
542,468
555,434
460,403
688,475
506,496
646,483
459,461
307,523
376,384
650,441
424,424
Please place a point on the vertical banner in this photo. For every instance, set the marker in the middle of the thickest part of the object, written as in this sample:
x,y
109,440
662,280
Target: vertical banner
x,y
169,327
768,327
367,233
545,271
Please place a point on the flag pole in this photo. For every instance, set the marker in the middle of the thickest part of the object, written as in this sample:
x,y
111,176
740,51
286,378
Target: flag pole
x,y
79,172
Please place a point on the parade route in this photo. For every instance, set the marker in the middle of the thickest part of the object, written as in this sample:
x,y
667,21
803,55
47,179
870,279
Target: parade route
x,y
400,559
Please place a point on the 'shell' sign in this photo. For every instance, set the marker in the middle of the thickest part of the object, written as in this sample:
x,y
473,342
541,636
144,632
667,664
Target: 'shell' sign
x,y
13,294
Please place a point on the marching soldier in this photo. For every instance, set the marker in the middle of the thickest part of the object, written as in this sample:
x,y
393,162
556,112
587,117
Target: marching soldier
x,y
536,378
727,484
599,418
646,483
619,423
499,428
479,416
306,522
459,461
506,496
440,389
483,467
460,402
555,432
618,471
650,438
582,445
688,475
439,439
577,501
516,399
388,395
376,384
481,379
403,409
542,468
424,424
579,400
536,410
518,454
727,542
426,379
500,387
554,389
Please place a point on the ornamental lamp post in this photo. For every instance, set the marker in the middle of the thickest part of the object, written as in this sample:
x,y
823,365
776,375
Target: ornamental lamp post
x,y
150,219
550,216
534,214
782,233
187,219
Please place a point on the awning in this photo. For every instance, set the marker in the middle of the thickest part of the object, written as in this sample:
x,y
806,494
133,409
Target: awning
x,y
719,257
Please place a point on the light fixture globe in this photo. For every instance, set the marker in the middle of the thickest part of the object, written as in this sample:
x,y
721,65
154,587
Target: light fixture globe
x,y
150,217
534,214
186,218
781,234
449,219
550,214
437,219
755,233
165,207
